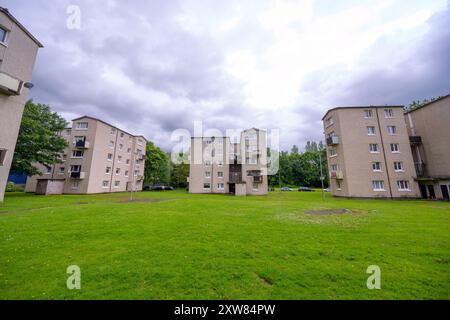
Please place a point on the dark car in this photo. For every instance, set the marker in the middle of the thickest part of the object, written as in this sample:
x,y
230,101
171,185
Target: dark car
x,y
157,188
305,189
286,189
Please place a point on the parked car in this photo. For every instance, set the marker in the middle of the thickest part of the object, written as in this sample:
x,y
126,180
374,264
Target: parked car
x,y
326,190
305,189
286,189
157,188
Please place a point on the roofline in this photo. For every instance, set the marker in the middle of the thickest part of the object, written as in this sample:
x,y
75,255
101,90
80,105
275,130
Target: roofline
x,y
428,103
359,107
108,124
6,11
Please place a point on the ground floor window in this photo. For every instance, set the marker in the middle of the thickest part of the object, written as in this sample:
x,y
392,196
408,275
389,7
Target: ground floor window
x,y
221,186
403,185
255,186
378,185
116,184
207,186
105,184
75,185
339,185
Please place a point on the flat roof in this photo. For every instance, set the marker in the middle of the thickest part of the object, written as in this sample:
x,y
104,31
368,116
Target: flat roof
x,y
428,103
360,107
6,11
108,124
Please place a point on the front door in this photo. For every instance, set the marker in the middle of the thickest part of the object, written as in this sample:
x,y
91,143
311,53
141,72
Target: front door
x,y
423,191
431,191
232,188
444,190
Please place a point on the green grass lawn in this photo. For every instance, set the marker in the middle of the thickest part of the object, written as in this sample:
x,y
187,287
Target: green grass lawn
x,y
174,245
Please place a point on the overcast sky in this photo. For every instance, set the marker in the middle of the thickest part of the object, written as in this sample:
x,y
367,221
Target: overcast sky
x,y
150,67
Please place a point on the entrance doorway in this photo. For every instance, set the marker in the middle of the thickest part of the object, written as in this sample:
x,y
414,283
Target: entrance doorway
x,y
444,190
423,191
431,193
232,188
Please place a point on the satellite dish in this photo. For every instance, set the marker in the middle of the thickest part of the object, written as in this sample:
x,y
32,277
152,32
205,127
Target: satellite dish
x,y
28,85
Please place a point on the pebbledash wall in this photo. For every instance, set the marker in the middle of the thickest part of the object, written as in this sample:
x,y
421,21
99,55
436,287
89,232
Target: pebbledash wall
x,y
218,165
18,51
369,153
101,158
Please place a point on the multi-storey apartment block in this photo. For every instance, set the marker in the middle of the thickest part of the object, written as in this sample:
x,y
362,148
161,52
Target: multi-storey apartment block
x,y
101,158
18,50
369,153
429,130
219,165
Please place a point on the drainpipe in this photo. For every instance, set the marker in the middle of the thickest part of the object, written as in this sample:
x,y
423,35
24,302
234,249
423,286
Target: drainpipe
x,y
384,154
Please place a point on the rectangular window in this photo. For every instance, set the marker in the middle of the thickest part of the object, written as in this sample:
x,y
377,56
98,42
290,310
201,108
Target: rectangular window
x,y
82,125
108,170
122,135
48,170
128,161
376,166
111,144
121,147
2,156
371,131
220,174
251,160
378,185
221,186
76,168
117,171
398,166
339,185
206,186
119,158
220,163
105,184
110,156
62,170
334,168
116,184
373,147
333,152
368,114
208,163
207,174
64,157
3,35
129,150
395,148
255,186
392,130
403,185
80,139
126,173
77,154
388,113
113,131
75,184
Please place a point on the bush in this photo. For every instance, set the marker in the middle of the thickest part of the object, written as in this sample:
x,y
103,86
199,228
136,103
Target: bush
x,y
12,187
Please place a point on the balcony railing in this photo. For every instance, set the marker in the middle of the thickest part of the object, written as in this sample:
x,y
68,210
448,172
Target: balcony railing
x,y
338,175
415,140
420,169
10,85
77,175
257,179
332,141
81,144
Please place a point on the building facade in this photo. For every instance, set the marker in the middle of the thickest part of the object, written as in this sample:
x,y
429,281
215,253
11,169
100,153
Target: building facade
x,y
429,130
100,158
18,51
219,165
369,153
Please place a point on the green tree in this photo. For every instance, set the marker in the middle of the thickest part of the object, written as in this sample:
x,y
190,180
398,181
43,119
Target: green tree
x,y
157,166
39,139
180,173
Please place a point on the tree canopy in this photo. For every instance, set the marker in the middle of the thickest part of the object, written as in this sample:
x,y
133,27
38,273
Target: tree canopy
x,y
157,166
39,139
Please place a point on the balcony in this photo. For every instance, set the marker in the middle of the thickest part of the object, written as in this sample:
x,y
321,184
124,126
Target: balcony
x,y
10,85
257,179
77,175
139,178
415,140
338,175
333,141
81,144
420,169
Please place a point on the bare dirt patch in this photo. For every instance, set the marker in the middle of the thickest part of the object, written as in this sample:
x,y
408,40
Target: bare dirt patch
x,y
327,212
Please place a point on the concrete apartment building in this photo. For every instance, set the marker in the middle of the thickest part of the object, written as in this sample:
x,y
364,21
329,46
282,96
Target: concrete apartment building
x,y
369,153
101,158
429,130
221,166
18,51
